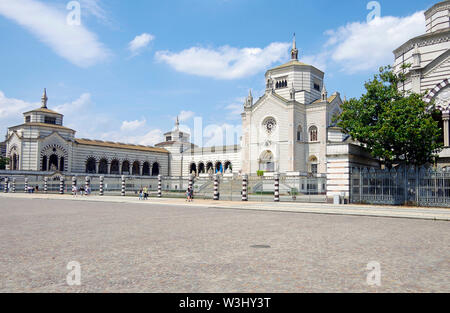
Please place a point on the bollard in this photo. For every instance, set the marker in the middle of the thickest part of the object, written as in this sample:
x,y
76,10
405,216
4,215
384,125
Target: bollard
x,y
87,185
277,188
159,186
74,186
14,185
61,185
244,187
123,186
26,185
102,178
216,187
6,185
191,181
45,184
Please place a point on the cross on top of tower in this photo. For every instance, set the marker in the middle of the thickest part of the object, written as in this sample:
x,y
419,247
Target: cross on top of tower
x,y
294,51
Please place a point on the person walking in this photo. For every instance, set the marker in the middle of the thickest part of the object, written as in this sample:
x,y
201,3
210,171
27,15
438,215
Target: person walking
x,y
188,195
191,194
140,194
145,193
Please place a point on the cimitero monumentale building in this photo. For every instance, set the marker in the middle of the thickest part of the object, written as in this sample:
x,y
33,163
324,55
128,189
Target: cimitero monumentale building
x,y
286,130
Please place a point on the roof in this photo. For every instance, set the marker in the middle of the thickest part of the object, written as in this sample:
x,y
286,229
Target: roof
x,y
292,63
43,110
118,145
45,125
330,99
409,45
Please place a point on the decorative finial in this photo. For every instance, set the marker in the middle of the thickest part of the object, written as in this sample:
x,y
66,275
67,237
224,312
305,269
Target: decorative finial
x,y
44,99
177,123
324,93
294,51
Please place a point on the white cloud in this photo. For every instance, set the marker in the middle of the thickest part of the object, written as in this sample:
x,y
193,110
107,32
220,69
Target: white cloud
x,y
139,43
76,107
148,138
12,108
74,43
132,125
366,46
225,62
185,116
235,109
93,7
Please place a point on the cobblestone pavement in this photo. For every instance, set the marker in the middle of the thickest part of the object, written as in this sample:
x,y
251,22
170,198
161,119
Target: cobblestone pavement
x,y
126,247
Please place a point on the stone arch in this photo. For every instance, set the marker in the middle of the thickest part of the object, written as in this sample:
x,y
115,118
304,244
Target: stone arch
x,y
91,164
201,168
61,154
209,167
155,169
146,169
436,89
193,169
115,167
125,170
14,158
136,169
218,168
103,166
267,161
228,167
313,164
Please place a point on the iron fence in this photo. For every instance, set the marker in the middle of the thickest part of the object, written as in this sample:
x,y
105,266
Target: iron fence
x,y
400,186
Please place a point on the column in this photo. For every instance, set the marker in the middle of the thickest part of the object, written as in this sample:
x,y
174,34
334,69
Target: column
x,y
216,187
191,181
244,187
109,167
74,185
123,186
97,165
26,185
276,195
6,184
159,186
445,119
14,185
61,185
45,184
102,178
87,184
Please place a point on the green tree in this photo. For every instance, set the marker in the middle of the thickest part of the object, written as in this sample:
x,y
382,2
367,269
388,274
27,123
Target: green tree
x,y
395,127
3,162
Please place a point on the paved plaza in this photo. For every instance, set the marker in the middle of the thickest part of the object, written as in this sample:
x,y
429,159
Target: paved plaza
x,y
161,247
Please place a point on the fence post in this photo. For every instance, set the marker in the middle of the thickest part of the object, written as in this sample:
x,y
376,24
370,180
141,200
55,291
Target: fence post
x,y
6,185
102,178
417,185
216,187
123,186
191,181
244,187
61,185
159,186
87,184
45,184
276,194
74,185
14,185
26,185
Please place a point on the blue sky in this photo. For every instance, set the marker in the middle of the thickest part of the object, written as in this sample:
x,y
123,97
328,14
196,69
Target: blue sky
x,y
132,66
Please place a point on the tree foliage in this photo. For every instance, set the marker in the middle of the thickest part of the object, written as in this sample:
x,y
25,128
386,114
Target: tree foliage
x,y
396,128
3,162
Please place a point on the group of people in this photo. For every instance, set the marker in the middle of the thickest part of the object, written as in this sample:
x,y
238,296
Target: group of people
x,y
143,193
84,191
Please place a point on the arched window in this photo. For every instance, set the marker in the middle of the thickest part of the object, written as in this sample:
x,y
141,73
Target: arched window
x,y
267,161
155,169
146,169
126,167
90,166
201,168
299,133
115,167
313,133
136,168
209,168
103,166
44,163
